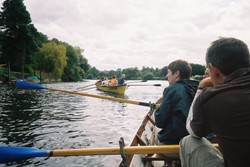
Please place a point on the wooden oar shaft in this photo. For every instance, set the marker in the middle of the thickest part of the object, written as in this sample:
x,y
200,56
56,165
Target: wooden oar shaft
x,y
136,81
116,150
88,85
87,88
30,85
101,97
159,149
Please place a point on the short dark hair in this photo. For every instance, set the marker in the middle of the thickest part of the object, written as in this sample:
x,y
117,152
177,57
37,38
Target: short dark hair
x,y
182,66
228,55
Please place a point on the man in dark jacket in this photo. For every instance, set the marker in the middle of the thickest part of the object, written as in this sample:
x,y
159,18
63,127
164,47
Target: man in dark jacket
x,y
173,111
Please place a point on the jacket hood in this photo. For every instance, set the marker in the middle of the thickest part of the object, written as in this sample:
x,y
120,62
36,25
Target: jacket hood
x,y
190,86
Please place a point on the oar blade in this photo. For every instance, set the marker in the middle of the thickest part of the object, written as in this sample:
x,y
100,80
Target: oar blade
x,y
28,85
11,153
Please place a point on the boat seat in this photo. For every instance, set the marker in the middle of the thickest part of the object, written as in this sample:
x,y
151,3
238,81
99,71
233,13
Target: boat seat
x,y
168,161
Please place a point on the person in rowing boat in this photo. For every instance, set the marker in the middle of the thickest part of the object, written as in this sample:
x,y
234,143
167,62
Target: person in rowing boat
x,y
222,110
177,98
203,84
103,81
206,73
113,81
121,79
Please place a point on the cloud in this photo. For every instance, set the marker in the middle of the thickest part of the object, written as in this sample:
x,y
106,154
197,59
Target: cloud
x,y
136,33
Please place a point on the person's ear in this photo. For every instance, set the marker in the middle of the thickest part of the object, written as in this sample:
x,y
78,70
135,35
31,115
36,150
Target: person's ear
x,y
214,70
216,75
177,74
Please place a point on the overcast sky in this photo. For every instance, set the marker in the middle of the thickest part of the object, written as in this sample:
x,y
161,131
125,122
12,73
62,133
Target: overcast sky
x,y
135,33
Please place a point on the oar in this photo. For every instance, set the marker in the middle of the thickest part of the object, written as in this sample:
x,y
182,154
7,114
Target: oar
x,y
144,85
31,85
10,153
136,81
85,86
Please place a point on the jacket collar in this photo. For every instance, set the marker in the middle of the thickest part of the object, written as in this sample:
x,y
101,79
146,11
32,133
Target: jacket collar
x,y
238,73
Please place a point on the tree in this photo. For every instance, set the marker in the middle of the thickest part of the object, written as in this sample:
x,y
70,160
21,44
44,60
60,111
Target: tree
x,y
132,73
77,65
19,35
198,69
164,71
1,54
95,72
53,57
34,57
148,75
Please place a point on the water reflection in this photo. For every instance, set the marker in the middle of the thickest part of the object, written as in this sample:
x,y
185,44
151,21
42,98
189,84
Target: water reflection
x,y
20,108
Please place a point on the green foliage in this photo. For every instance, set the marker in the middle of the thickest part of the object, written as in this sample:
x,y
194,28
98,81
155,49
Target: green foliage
x,y
148,75
77,64
132,73
19,35
90,76
164,71
95,72
198,69
1,73
53,57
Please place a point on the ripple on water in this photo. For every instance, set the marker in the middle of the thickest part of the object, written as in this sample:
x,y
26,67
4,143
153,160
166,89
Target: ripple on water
x,y
55,120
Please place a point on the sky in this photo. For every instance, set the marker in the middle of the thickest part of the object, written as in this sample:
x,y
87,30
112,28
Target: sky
x,y
135,33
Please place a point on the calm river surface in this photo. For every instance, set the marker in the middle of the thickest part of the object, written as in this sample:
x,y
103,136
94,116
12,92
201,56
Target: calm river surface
x,y
50,120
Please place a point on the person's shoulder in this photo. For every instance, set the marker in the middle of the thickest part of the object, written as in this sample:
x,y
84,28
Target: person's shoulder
x,y
189,82
172,88
179,84
205,94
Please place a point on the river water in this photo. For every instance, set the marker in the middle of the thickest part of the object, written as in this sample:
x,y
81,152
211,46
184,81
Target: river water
x,y
51,120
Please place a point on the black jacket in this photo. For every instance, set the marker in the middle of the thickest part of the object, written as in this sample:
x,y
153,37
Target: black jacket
x,y
173,111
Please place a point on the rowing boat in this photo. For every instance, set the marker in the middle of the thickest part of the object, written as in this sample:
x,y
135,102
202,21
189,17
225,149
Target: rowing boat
x,y
146,136
120,89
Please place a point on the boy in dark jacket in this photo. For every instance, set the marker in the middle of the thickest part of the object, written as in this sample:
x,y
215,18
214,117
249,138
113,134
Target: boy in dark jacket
x,y
177,98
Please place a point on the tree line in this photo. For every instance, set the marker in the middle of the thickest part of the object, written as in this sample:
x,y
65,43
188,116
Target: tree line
x,y
146,73
26,50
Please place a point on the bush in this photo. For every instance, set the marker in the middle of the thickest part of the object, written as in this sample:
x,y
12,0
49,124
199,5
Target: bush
x,y
148,76
90,76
